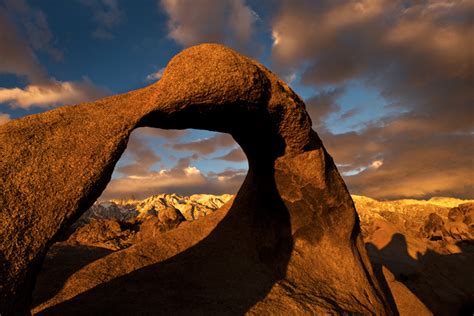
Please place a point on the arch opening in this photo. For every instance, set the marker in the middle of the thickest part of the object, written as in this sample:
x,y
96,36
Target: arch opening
x,y
184,162
242,252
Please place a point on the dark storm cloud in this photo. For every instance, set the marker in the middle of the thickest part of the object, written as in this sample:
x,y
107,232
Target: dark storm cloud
x,y
206,146
323,104
228,173
409,163
16,57
419,55
24,30
235,154
35,25
144,157
162,133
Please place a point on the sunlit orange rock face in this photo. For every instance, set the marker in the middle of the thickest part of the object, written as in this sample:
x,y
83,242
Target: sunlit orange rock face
x,y
288,243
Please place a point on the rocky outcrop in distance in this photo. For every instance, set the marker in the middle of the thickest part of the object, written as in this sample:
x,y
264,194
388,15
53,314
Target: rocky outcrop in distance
x,y
439,219
428,246
289,242
446,219
117,224
191,207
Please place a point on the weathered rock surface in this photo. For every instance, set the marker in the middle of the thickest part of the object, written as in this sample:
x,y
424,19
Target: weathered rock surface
x,y
299,253
114,224
167,219
438,219
427,246
105,233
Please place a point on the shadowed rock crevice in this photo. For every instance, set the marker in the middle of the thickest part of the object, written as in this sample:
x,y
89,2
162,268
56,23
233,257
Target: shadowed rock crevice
x,y
289,242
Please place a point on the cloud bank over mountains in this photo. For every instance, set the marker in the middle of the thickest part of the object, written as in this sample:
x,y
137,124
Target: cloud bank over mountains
x,y
141,177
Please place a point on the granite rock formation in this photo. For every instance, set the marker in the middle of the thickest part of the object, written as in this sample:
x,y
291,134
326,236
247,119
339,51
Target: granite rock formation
x,y
191,207
427,245
108,210
105,233
420,265
300,252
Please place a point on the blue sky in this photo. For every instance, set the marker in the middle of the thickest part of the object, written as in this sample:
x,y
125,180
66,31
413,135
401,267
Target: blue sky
x,y
377,76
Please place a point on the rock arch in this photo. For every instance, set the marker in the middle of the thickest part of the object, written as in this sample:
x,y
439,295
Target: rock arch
x,y
295,217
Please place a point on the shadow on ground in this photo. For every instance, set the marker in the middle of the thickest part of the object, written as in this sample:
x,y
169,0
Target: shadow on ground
x,y
444,283
61,262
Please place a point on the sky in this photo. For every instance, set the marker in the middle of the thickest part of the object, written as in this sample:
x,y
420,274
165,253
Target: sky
x,y
388,83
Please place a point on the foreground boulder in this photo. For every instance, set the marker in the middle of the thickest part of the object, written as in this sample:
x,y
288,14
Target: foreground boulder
x,y
290,240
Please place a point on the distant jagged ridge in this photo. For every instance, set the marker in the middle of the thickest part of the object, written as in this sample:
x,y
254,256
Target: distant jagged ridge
x,y
191,207
410,214
439,217
197,205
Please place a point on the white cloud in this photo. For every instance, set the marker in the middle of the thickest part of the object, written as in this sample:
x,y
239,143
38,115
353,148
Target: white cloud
x,y
156,181
236,154
191,171
4,117
376,164
50,94
155,75
183,178
276,37
290,77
